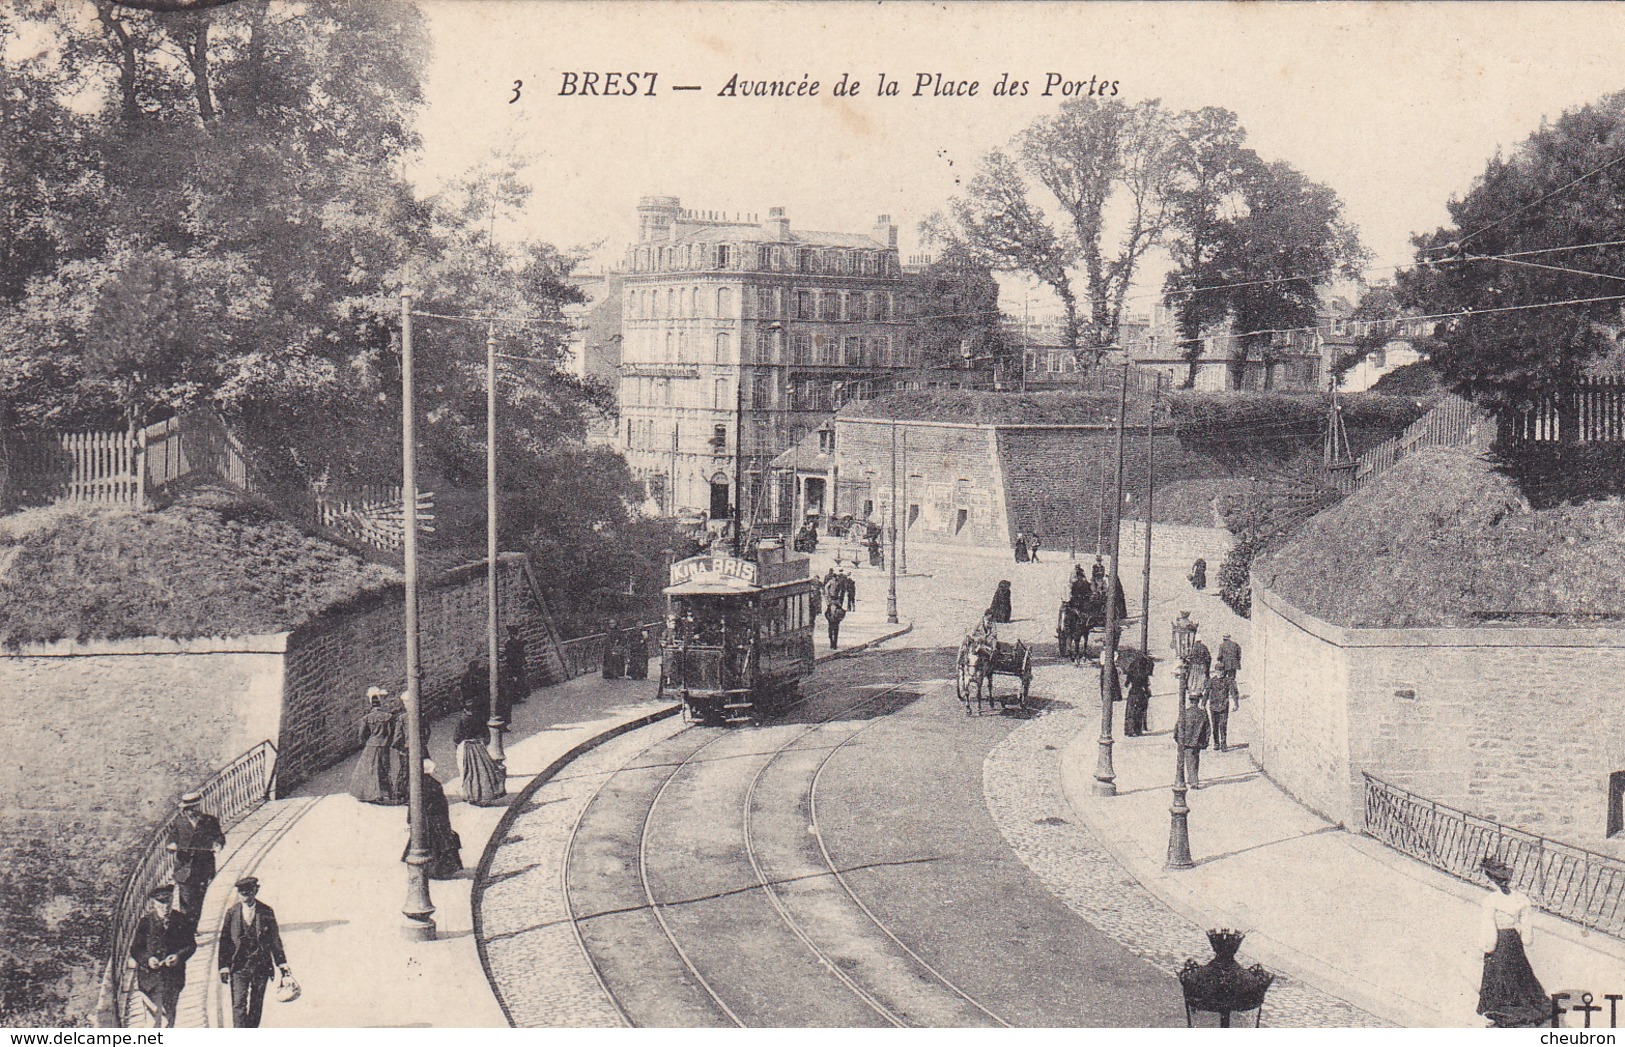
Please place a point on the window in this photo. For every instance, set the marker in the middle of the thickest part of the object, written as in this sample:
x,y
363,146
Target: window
x,y
671,302
719,438
852,356
764,301
778,258
801,348
694,301
719,393
804,305
724,348
671,346
725,301
872,306
723,256
804,260
827,307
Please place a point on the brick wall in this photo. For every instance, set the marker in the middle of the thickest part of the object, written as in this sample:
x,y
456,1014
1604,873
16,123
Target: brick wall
x,y
333,660
1523,726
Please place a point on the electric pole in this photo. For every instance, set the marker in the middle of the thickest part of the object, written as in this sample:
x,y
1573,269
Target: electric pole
x,y
495,723
1105,774
1150,494
891,554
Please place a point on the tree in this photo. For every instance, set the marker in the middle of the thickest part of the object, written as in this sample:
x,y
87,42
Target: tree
x,y
956,302
1290,239
1095,160
1210,165
1560,188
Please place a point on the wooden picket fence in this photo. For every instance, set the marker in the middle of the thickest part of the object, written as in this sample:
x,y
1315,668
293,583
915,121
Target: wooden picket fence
x,y
100,467
1587,411
1452,422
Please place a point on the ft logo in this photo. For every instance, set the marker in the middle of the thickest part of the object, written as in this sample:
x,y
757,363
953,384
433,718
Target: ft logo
x,y
1586,1006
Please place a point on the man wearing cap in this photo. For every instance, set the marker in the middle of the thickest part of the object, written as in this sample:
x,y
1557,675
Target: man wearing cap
x,y
164,940
193,838
250,952
1227,697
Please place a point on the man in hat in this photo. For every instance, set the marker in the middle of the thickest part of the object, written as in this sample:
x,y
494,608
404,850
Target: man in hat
x,y
1226,697
193,838
515,668
1198,665
1097,573
1191,735
164,940
849,589
249,953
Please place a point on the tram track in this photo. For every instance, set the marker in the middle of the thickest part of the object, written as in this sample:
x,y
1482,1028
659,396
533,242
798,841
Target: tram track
x,y
681,1009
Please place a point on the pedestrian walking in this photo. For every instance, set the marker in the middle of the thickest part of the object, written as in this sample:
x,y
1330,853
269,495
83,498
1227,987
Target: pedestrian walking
x,y
1218,714
165,938
1191,735
1509,994
1227,665
834,588
483,783
249,953
373,780
1021,547
1033,542
1198,666
1097,573
399,741
833,615
614,661
515,668
1001,602
1137,670
1198,575
637,654
444,845
849,588
194,836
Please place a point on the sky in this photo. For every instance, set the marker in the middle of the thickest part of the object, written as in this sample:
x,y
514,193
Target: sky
x,y
1397,106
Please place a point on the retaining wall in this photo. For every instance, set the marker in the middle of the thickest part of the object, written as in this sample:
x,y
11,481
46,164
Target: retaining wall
x,y
1520,725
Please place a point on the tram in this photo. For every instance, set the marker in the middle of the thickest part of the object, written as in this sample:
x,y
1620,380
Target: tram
x,y
739,634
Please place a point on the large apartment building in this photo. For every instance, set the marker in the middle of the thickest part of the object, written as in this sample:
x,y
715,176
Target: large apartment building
x,y
738,337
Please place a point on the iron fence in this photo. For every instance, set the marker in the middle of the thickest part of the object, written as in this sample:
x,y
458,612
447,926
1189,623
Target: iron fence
x,y
585,654
1450,423
231,794
1578,885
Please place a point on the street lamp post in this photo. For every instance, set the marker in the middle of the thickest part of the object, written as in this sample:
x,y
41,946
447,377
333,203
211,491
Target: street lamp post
x,y
1105,773
1150,494
902,555
1179,830
891,554
496,723
419,908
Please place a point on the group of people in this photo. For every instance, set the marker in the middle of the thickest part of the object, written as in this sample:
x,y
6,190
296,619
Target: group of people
x,y
626,652
1027,547
249,949
839,595
1208,694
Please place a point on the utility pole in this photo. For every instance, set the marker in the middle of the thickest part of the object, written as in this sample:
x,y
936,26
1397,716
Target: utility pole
x,y
739,461
902,556
891,554
1105,774
496,723
419,908
671,495
1100,514
1150,494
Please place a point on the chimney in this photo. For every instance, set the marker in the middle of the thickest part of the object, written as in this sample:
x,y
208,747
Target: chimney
x,y
885,231
657,217
777,224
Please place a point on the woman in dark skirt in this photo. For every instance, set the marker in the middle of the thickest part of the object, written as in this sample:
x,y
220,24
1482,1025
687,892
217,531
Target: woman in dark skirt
x,y
373,780
482,779
1001,603
1510,995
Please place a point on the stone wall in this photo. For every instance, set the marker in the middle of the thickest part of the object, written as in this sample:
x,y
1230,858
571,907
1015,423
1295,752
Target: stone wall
x,y
332,660
1520,725
949,469
100,739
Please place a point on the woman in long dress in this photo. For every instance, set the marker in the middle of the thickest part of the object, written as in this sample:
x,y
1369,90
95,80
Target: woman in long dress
x,y
482,779
373,780
1001,603
1510,995
440,839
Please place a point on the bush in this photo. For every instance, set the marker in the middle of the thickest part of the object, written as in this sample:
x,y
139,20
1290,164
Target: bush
x,y
1235,574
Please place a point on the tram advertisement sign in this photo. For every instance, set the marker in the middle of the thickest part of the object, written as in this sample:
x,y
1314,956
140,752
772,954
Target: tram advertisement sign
x,y
714,570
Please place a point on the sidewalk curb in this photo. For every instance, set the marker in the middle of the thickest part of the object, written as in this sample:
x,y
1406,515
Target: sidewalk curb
x,y
1306,969
511,813
847,652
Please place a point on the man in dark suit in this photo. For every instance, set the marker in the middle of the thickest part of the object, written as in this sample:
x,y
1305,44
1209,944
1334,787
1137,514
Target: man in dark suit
x,y
250,952
515,672
193,838
1191,735
164,940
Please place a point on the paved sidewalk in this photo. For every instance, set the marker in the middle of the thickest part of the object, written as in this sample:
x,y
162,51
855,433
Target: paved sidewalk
x,y
1334,909
330,866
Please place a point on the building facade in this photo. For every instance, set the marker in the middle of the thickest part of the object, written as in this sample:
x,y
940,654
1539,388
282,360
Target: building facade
x,y
739,337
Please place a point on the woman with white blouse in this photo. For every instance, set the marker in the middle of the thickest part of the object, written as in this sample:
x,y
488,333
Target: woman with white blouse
x,y
1510,995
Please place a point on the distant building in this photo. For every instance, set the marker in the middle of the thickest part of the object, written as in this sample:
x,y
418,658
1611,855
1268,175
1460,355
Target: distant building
x,y
738,337
594,344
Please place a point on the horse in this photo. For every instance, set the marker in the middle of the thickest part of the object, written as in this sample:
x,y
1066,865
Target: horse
x,y
1073,626
975,671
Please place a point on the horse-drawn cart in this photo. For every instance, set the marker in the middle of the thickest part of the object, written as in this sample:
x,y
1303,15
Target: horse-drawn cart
x,y
980,659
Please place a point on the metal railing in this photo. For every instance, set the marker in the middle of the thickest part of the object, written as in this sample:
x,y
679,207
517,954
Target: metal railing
x,y
1450,423
231,794
585,654
1579,885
